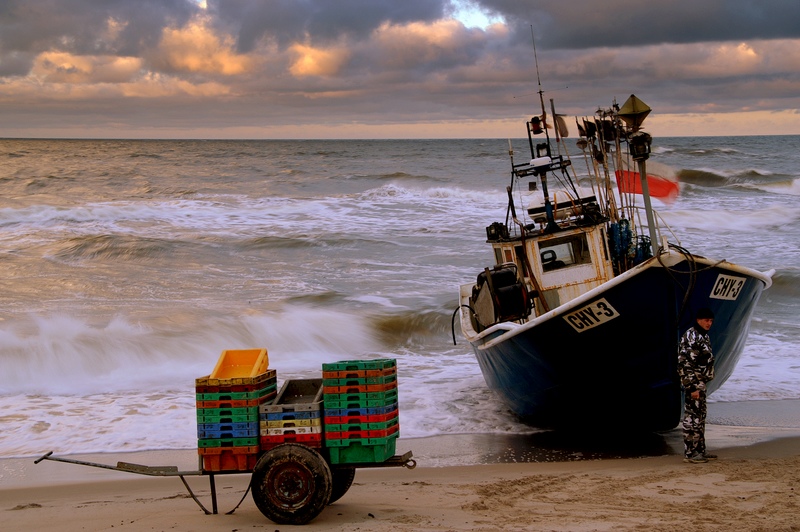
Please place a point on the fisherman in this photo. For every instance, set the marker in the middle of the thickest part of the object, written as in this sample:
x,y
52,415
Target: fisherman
x,y
696,368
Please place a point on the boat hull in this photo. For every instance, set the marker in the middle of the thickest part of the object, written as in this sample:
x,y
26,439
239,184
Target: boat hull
x,y
608,359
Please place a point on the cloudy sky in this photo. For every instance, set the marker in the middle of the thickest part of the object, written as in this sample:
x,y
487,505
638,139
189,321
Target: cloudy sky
x,y
391,68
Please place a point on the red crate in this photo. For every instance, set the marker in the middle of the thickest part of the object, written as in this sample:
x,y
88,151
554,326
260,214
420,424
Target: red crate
x,y
229,458
310,440
362,388
236,388
359,373
237,403
374,418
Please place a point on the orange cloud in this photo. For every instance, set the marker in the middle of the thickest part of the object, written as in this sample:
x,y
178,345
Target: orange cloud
x,y
63,76
195,48
310,61
442,33
410,44
63,67
681,61
162,86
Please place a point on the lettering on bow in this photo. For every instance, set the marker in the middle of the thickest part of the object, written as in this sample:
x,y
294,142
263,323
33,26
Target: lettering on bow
x,y
591,315
727,287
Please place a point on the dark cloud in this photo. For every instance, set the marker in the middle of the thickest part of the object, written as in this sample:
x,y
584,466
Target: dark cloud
x,y
593,23
81,26
15,63
322,21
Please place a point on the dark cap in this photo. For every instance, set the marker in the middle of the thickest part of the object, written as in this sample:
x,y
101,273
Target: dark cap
x,y
704,314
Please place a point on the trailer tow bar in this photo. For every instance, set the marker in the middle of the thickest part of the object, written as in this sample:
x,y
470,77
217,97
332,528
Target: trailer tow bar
x,y
152,471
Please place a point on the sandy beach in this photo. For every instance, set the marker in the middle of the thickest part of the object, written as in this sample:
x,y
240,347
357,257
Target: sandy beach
x,y
464,482
544,480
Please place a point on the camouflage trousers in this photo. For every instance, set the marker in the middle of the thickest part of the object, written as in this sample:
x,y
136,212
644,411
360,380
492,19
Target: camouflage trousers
x,y
694,425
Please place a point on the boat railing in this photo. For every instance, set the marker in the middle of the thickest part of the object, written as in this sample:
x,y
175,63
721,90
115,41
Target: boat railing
x,y
661,224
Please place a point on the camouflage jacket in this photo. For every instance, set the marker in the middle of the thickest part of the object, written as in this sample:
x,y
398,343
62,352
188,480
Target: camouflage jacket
x,y
695,360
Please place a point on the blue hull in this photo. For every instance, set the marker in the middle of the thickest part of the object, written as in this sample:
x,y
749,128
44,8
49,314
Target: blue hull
x,y
572,369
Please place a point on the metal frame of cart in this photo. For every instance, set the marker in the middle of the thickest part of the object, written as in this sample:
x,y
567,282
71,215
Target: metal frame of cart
x,y
290,483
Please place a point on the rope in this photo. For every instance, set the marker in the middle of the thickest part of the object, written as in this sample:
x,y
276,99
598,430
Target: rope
x,y
243,497
453,321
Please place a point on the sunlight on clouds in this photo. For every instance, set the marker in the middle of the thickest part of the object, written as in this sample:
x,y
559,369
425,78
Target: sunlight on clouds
x,y
678,61
152,86
417,42
195,48
729,58
472,16
746,50
442,33
113,29
162,86
63,67
310,61
63,76
333,95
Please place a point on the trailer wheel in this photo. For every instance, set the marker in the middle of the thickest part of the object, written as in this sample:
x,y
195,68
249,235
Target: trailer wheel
x,y
342,480
291,484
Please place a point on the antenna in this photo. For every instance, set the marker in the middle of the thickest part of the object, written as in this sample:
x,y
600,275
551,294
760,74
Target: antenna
x,y
536,61
541,91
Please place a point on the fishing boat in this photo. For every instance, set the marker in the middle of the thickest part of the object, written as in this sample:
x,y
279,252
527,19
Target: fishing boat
x,y
577,322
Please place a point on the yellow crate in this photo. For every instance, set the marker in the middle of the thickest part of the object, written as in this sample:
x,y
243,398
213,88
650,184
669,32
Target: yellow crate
x,y
240,363
288,423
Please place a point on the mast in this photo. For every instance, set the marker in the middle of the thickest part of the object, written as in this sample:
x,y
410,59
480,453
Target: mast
x,y
633,113
542,157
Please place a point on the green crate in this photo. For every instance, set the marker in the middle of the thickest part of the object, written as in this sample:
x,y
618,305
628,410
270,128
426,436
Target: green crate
x,y
227,442
227,415
361,451
356,365
238,396
332,404
359,427
241,411
368,399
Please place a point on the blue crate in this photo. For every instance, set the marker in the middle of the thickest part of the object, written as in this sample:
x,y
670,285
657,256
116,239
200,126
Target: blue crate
x,y
227,430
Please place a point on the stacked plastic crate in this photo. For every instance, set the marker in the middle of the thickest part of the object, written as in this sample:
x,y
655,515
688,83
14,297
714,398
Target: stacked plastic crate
x,y
228,402
361,416
295,416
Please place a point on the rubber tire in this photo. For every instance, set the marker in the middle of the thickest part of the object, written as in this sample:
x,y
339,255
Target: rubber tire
x,y
291,484
342,480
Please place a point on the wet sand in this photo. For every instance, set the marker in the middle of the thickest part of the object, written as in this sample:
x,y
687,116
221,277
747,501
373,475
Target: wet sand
x,y
542,481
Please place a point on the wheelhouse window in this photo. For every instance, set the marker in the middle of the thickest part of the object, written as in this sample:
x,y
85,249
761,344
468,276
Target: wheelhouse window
x,y
564,252
503,255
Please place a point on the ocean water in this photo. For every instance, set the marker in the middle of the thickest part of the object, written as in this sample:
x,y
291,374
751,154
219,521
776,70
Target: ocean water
x,y
129,266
